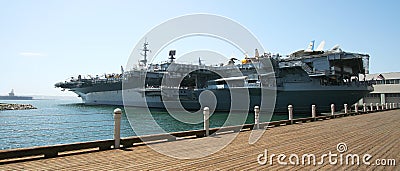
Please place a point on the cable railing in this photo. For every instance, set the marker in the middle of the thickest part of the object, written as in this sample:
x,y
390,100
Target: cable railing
x,y
19,132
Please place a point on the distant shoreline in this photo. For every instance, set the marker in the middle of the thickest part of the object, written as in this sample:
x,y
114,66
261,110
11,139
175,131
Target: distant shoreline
x,y
44,97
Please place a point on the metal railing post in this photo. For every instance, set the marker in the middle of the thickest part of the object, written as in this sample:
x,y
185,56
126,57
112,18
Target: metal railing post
x,y
290,110
313,111
332,109
117,127
206,113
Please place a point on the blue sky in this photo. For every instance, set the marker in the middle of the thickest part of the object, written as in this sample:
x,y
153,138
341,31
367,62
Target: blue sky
x,y
44,41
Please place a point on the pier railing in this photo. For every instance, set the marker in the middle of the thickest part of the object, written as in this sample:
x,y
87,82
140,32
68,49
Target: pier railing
x,y
118,142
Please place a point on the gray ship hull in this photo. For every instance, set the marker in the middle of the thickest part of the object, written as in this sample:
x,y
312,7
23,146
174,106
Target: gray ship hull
x,y
301,99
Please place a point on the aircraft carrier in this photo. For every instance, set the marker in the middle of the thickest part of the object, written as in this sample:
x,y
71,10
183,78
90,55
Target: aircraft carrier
x,y
12,96
302,78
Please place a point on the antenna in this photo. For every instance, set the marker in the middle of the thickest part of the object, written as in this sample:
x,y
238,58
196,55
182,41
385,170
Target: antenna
x,y
145,50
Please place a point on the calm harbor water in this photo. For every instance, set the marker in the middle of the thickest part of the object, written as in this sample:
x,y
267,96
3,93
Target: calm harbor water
x,y
69,121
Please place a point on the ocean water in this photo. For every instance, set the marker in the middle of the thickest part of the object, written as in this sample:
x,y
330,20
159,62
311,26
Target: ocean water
x,y
57,122
70,121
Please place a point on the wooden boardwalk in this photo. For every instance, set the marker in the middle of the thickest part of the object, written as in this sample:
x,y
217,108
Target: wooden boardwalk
x,y
377,134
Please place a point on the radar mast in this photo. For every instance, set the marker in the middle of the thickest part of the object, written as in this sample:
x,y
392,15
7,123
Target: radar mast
x,y
144,54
